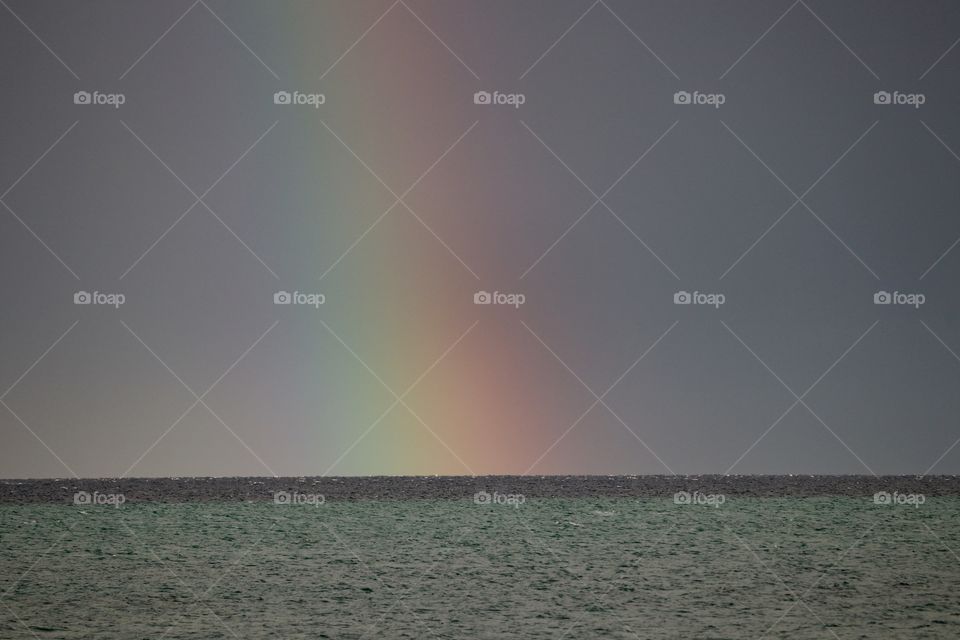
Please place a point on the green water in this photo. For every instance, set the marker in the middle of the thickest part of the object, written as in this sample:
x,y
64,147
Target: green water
x,y
559,568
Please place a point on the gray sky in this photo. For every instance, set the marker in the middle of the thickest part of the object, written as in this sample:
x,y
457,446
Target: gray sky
x,y
786,194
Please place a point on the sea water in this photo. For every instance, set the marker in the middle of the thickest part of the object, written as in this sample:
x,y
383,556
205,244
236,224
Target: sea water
x,y
747,567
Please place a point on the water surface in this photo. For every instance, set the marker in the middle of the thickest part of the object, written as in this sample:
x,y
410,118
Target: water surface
x,y
818,567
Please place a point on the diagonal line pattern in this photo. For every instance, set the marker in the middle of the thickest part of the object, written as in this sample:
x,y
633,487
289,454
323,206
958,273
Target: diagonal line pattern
x,y
599,399
818,19
799,199
417,17
366,566
957,157
439,39
178,20
239,39
38,438
36,561
822,575
19,380
605,594
412,589
598,199
957,358
940,540
757,41
557,41
199,199
39,239
839,39
615,17
639,39
33,565
40,40
157,41
399,398
799,399
24,175
399,199
395,203
37,361
199,399
357,41
797,599
937,61
197,598
39,159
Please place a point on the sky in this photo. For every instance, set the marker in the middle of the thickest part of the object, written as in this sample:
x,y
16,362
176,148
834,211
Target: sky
x,y
424,237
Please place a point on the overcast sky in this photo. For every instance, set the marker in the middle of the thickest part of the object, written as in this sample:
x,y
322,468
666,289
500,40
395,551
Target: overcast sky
x,y
778,166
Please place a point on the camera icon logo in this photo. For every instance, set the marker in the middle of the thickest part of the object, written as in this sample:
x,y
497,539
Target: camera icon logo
x,y
81,97
82,297
482,297
882,297
682,497
281,97
482,497
282,297
482,97
881,97
681,97
281,497
882,497
682,297
82,498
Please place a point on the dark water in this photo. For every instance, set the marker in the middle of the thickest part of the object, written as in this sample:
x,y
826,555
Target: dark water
x,y
459,487
582,567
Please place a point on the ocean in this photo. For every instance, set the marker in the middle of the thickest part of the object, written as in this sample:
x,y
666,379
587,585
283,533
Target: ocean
x,y
551,558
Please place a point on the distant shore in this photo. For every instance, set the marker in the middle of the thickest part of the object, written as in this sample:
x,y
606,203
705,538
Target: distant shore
x,y
242,489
